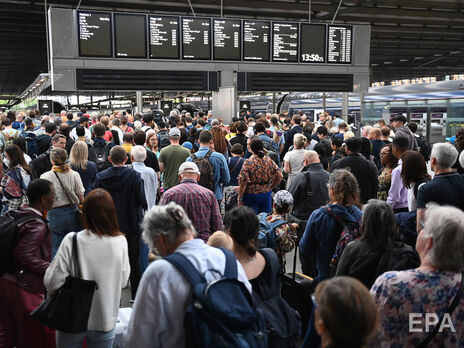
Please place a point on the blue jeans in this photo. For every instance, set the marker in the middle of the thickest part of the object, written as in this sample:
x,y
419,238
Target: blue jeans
x,y
259,202
62,220
95,339
143,258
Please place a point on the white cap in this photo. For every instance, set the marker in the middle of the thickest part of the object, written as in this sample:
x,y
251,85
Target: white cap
x,y
188,167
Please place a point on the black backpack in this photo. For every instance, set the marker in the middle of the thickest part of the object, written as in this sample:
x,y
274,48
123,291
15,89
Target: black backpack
x,y
100,154
401,257
41,164
283,325
424,147
32,145
206,170
163,139
267,144
8,236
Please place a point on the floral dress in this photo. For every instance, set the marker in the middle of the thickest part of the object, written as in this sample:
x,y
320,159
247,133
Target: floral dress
x,y
403,299
285,238
384,183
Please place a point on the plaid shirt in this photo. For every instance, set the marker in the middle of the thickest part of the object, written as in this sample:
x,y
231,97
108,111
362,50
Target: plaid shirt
x,y
199,203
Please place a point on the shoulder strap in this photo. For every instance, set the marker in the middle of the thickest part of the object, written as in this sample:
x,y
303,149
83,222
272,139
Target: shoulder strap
x,y
240,160
449,311
68,195
208,154
185,267
230,271
75,256
193,157
335,216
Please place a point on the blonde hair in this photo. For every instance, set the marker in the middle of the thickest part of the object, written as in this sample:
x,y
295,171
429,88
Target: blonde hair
x,y
59,158
79,154
299,141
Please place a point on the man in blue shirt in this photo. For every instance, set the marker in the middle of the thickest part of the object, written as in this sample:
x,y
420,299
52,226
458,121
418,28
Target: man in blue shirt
x,y
217,160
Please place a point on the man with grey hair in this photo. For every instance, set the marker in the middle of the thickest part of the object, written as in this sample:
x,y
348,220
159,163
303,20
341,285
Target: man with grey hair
x,y
199,203
148,175
447,186
164,292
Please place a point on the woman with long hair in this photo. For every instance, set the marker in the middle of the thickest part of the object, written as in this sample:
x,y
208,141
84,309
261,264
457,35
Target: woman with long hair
x,y
87,169
152,143
258,176
362,259
389,162
414,174
221,145
110,270
15,179
64,217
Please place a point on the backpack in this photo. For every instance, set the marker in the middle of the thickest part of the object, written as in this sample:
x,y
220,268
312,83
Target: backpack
x,y
271,151
32,145
266,234
115,136
424,147
100,154
163,139
283,325
40,165
8,139
401,257
221,313
9,235
206,170
350,232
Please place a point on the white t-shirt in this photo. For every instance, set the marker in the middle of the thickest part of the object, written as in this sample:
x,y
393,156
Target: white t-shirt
x,y
295,159
71,180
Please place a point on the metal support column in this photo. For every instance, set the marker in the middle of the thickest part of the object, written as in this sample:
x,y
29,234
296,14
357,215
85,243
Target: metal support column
x,y
138,95
345,104
324,101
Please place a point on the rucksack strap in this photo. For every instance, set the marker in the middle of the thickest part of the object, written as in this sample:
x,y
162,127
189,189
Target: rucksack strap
x,y
230,271
335,216
185,267
208,155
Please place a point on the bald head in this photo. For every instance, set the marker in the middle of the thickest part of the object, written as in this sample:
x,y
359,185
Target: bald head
x,y
311,157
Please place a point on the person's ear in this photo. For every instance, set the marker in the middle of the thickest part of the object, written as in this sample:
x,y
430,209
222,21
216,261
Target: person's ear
x,y
320,326
125,160
109,159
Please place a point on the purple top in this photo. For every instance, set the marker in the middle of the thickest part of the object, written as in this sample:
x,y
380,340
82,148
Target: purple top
x,y
398,193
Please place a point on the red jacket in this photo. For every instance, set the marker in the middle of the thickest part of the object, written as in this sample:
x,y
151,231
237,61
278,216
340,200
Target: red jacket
x,y
33,251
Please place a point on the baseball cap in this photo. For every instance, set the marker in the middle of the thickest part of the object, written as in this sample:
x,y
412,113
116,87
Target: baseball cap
x,y
283,197
188,167
451,139
187,145
174,132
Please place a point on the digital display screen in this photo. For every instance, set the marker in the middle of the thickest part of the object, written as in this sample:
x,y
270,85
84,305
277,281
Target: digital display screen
x,y
312,43
284,42
130,35
256,40
196,38
226,39
339,44
164,37
94,30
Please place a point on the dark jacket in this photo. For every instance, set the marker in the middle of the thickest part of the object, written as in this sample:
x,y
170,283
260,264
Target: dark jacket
x,y
289,137
33,252
88,176
365,173
376,147
404,131
322,234
309,190
45,142
126,187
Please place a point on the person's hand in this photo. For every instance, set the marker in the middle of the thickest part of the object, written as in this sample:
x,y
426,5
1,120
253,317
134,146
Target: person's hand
x,y
294,226
239,202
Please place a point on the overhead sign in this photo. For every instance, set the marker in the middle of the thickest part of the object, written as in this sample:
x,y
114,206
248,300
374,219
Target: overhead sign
x,y
245,105
215,39
166,106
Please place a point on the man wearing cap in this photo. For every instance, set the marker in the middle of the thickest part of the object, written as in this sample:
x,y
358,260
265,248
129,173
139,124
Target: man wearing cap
x,y
170,159
83,121
199,203
401,130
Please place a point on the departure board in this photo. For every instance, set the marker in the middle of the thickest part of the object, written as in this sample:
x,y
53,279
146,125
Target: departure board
x,y
164,37
226,39
339,44
196,38
130,35
94,33
256,40
284,42
312,43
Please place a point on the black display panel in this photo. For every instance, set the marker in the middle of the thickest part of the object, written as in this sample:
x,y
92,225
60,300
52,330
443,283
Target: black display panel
x,y
94,34
339,43
284,42
164,37
256,40
196,38
130,35
226,39
312,43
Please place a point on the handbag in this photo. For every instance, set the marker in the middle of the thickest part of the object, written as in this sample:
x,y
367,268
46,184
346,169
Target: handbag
x,y
68,309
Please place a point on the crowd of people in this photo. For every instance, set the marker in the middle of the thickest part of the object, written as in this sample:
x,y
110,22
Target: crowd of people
x,y
375,214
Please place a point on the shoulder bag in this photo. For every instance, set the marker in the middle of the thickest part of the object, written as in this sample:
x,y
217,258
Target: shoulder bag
x,y
68,309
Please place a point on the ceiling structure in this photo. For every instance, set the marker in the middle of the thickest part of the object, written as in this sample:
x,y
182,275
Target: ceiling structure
x,y
410,38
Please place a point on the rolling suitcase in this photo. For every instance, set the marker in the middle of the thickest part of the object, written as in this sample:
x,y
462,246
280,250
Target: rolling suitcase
x,y
296,290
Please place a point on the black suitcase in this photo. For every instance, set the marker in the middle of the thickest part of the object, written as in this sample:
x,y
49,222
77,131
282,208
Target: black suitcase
x,y
297,289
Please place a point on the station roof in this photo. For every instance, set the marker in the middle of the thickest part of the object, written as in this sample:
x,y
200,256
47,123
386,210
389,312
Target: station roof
x,y
410,38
